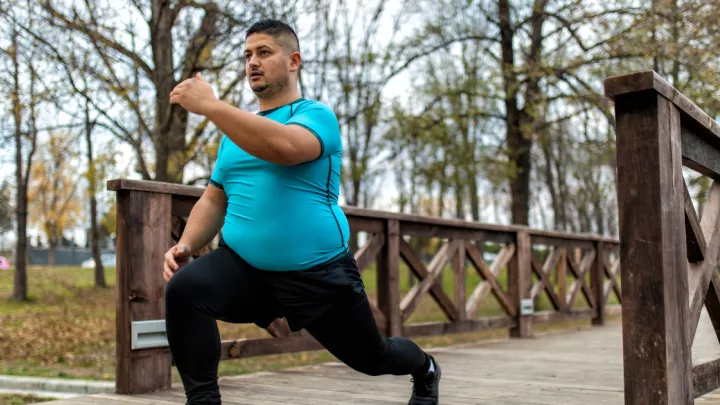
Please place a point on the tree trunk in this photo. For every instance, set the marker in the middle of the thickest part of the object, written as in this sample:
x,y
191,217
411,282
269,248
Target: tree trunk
x,y
599,216
474,202
519,146
20,292
675,52
459,194
92,188
441,193
51,253
518,150
170,120
561,171
550,181
520,123
655,45
474,199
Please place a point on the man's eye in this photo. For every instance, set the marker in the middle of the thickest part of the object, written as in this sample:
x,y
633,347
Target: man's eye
x,y
264,52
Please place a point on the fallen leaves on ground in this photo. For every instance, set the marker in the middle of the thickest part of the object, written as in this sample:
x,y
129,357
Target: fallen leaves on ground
x,y
9,399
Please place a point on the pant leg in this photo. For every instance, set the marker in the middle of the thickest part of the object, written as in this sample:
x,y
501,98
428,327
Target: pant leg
x,y
219,285
348,331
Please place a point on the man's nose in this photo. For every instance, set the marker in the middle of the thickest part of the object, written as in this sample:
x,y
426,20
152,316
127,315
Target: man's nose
x,y
252,61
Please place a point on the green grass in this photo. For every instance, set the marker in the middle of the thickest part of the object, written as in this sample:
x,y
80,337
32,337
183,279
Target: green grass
x,y
67,329
9,399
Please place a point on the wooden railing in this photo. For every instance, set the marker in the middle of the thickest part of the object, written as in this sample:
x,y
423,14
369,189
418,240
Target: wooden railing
x,y
668,253
577,273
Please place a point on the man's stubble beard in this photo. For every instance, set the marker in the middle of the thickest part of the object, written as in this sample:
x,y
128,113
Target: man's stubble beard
x,y
269,90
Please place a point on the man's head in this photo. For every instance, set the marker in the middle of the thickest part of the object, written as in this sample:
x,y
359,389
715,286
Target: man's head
x,y
272,57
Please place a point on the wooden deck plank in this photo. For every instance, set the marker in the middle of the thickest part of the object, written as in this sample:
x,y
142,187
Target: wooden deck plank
x,y
581,366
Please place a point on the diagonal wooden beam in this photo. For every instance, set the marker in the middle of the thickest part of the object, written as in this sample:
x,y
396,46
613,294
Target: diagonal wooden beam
x,y
547,267
694,237
412,299
700,274
544,273
614,273
580,284
482,290
544,281
369,251
418,268
611,284
489,277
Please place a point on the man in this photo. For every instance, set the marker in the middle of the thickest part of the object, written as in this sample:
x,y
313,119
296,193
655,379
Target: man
x,y
284,253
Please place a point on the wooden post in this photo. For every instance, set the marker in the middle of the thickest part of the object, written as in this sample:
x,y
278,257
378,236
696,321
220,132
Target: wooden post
x,y
143,237
460,281
519,282
597,284
653,253
388,278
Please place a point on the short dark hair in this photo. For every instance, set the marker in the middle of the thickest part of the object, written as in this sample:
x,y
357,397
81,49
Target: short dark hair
x,y
279,30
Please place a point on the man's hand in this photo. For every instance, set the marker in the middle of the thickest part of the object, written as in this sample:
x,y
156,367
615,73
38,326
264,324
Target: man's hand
x,y
176,257
194,94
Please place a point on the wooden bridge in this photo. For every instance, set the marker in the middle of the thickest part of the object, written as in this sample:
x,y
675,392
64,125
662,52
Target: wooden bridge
x,y
660,354
582,367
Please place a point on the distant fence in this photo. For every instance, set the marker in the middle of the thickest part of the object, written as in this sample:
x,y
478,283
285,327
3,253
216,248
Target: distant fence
x,y
64,256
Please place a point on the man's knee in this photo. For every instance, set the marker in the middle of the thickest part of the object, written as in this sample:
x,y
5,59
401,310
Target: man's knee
x,y
183,285
373,362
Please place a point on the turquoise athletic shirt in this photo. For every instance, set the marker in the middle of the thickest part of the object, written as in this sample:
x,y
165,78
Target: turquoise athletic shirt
x,y
285,217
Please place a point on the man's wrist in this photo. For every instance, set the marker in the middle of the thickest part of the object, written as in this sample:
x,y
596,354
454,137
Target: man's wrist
x,y
189,246
213,108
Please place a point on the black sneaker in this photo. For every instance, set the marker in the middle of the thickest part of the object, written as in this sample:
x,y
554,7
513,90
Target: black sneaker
x,y
426,389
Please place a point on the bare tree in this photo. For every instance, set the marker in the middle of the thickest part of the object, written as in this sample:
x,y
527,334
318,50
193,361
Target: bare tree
x,y
21,56
357,49
538,55
92,177
132,67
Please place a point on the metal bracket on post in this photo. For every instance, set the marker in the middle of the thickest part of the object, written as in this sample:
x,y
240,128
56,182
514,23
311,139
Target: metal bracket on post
x,y
148,334
527,307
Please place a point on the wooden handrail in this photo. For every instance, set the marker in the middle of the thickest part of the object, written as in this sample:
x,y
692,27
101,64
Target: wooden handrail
x,y
152,216
193,191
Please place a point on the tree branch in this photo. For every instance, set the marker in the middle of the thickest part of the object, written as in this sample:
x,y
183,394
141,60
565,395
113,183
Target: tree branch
x,y
66,66
137,147
118,83
435,48
95,36
204,35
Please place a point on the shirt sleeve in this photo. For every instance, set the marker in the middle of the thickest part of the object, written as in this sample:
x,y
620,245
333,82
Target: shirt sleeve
x,y
216,176
321,122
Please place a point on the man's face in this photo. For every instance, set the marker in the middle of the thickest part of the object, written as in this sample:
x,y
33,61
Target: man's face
x,y
267,65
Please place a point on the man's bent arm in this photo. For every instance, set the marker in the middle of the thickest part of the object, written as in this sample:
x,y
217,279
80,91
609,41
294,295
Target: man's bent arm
x,y
264,138
206,219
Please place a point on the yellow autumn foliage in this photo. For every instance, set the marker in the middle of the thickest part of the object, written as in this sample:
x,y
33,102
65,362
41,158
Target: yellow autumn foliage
x,y
54,200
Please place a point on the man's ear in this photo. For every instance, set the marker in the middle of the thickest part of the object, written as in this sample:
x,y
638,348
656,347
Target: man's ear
x,y
295,61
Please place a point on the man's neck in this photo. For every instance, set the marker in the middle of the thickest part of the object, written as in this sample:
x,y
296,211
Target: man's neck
x,y
279,101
